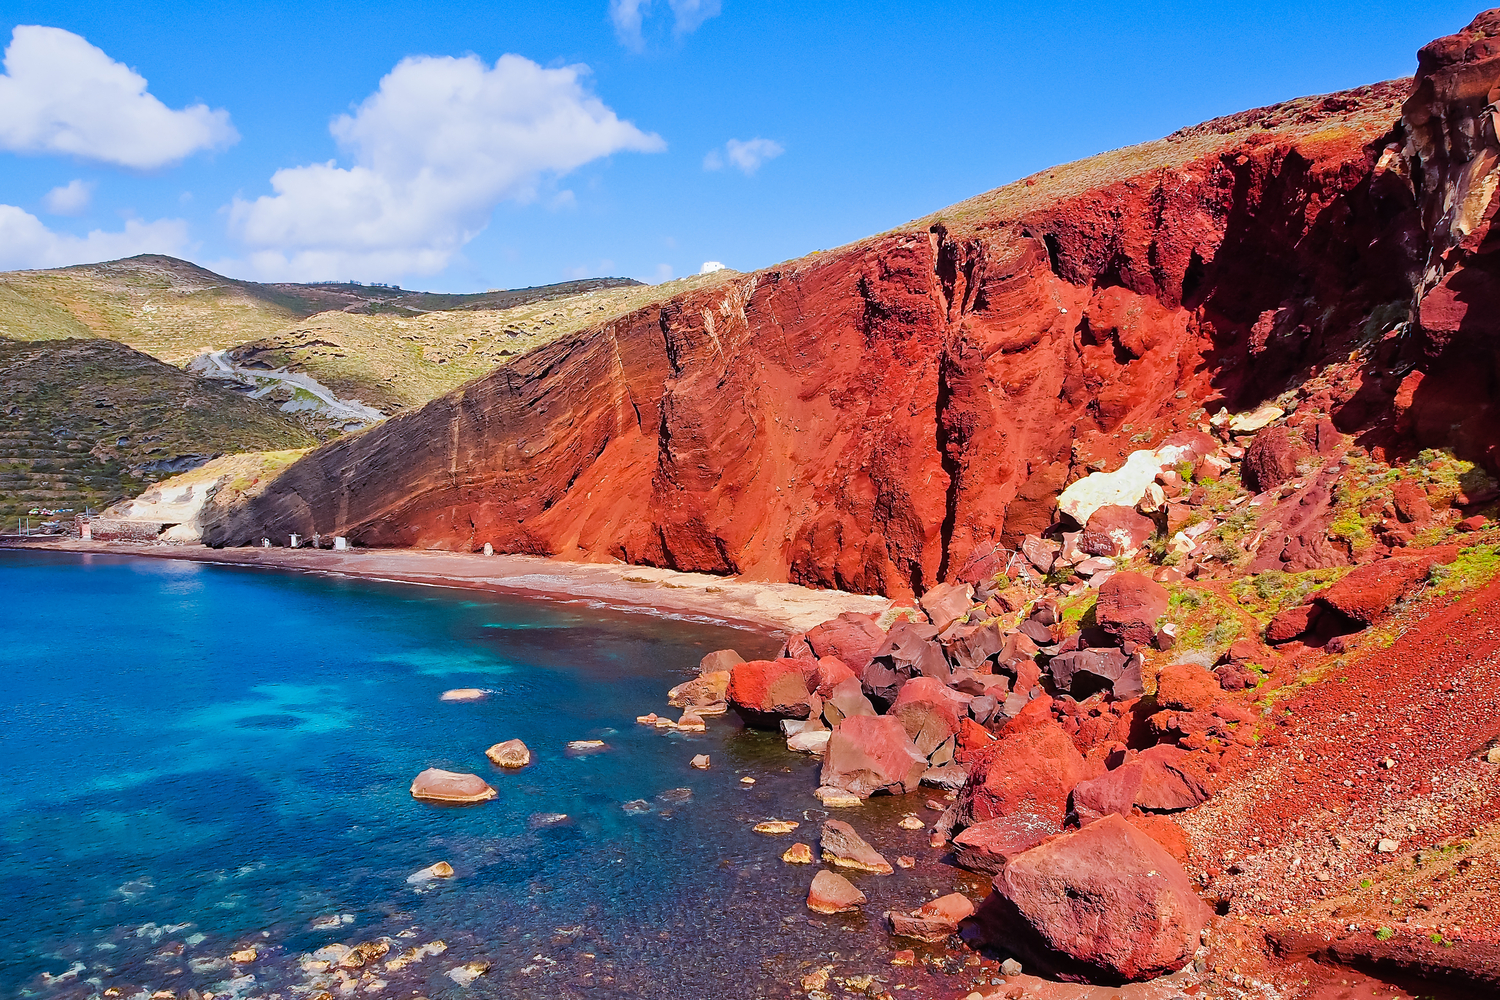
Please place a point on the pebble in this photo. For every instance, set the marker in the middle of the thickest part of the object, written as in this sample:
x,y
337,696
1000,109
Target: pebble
x,y
910,822
1010,967
701,762
747,780
244,956
905,861
1387,846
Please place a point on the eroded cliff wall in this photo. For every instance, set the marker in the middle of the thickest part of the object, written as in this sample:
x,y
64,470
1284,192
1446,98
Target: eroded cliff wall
x,y
880,417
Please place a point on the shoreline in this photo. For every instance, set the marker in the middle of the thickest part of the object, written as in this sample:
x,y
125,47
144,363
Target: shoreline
x,y
774,607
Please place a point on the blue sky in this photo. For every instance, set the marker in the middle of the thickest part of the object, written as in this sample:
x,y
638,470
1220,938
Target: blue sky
x,y
459,147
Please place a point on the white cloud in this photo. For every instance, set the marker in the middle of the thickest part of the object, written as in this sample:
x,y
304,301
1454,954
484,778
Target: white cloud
x,y
747,156
663,273
710,266
628,17
690,14
59,94
25,242
435,149
69,199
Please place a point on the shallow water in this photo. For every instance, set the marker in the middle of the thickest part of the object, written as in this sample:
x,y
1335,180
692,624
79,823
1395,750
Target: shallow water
x,y
203,757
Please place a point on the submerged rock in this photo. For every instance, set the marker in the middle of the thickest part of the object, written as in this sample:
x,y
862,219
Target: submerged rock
x,y
440,870
450,787
463,694
798,854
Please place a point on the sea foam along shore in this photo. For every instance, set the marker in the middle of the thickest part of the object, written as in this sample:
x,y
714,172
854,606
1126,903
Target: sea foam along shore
x,y
697,596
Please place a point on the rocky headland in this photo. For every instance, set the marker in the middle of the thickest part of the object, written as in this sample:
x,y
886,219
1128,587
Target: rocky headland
x,y
1175,465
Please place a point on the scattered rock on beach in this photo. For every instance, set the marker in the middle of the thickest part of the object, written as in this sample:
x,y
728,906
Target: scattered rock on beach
x,y
847,849
450,787
934,921
832,893
511,753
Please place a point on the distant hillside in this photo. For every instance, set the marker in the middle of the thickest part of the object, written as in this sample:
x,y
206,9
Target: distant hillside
x,y
173,309
86,422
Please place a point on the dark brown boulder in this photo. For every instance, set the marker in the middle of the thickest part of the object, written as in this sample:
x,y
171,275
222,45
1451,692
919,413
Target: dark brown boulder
x,y
1272,458
1107,903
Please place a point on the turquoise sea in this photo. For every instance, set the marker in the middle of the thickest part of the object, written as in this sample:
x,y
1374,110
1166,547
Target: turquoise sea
x,y
202,758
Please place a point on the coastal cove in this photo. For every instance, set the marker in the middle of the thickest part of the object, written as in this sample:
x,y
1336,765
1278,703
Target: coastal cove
x,y
206,759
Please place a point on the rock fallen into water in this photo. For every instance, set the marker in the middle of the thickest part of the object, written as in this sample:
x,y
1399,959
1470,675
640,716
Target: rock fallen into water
x,y
763,692
244,956
636,807
1105,902
798,854
934,921
440,870
843,847
450,787
463,694
832,893
837,798
872,753
511,753
701,762
588,746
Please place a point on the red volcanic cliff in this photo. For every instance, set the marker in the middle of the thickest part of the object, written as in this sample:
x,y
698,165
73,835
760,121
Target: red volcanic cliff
x,y
881,417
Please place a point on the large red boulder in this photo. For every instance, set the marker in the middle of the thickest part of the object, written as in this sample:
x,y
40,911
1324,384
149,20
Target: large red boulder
x,y
764,692
1129,605
851,637
832,893
1106,903
1272,458
1368,592
1290,623
872,753
1158,780
1029,771
929,711
1187,686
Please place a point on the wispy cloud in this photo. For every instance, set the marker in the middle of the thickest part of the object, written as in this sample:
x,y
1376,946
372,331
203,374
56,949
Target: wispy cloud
x,y
629,18
746,156
434,150
70,198
59,94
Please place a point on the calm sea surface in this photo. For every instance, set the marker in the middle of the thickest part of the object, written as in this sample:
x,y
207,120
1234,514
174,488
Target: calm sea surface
x,y
199,758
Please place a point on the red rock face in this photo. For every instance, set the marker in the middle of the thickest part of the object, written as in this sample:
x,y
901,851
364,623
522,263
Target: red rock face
x,y
880,417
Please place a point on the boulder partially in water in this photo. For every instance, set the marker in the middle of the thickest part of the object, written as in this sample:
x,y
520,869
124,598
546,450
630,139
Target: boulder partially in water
x,y
511,753
832,893
450,788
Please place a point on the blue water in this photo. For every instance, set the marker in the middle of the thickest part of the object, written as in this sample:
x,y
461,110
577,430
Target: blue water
x,y
202,757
